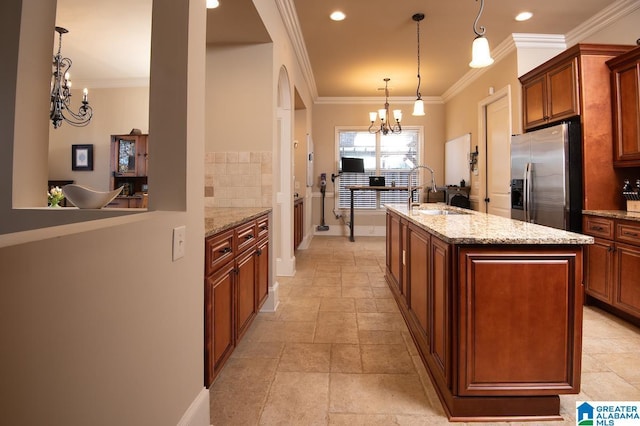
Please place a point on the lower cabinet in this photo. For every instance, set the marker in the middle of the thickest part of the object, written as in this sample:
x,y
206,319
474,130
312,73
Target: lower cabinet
x,y
498,327
613,265
236,286
298,222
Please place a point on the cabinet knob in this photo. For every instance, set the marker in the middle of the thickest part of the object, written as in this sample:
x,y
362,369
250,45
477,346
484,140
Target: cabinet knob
x,y
225,250
248,237
259,252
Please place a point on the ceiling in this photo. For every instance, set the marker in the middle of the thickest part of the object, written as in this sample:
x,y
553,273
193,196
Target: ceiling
x,y
110,40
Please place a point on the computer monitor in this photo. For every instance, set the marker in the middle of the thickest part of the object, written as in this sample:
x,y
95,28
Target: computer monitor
x,y
352,165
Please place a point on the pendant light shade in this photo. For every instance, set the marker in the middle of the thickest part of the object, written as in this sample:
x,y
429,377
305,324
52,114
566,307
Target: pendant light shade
x,y
480,53
418,107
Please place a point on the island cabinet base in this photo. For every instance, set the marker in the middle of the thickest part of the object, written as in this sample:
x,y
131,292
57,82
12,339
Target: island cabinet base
x,y
498,327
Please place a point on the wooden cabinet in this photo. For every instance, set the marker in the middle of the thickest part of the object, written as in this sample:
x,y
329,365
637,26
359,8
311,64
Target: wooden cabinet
x,y
236,286
129,156
625,99
298,222
551,95
576,83
471,308
613,265
396,249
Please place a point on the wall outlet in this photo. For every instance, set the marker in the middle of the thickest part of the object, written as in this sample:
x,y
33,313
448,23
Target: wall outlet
x,y
179,241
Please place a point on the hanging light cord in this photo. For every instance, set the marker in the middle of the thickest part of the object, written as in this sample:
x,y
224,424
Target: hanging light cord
x,y
482,30
418,17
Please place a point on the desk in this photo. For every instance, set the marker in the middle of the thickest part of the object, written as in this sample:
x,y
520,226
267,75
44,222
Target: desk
x,y
370,188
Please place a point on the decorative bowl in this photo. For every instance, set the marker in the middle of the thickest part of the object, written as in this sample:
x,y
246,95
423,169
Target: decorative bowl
x,y
87,198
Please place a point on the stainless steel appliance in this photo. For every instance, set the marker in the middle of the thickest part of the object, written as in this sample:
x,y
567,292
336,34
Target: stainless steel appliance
x,y
546,176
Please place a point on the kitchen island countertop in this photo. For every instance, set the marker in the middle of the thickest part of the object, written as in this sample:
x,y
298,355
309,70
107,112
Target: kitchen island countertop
x,y
474,227
218,219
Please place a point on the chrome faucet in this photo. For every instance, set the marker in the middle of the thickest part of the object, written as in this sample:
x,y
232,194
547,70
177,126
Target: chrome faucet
x,y
410,203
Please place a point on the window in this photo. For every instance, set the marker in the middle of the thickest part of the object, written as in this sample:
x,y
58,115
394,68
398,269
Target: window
x,y
391,156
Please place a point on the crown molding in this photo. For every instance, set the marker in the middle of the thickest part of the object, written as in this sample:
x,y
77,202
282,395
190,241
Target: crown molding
x,y
536,41
290,19
339,100
602,19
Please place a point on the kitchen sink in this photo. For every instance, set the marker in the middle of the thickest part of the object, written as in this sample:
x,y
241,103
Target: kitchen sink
x,y
435,212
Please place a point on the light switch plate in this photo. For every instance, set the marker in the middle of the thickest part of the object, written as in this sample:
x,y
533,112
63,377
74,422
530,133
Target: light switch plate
x,y
179,237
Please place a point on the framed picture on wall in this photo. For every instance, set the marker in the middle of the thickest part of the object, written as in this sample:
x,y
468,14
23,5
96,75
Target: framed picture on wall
x,y
82,157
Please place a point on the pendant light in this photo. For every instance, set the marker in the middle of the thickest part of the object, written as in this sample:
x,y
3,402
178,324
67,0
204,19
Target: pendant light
x,y
480,54
418,105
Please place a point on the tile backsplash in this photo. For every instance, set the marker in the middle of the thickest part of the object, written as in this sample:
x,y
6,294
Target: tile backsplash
x,y
238,179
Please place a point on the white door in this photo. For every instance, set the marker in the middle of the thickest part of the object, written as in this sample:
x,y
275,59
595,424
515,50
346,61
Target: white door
x,y
498,168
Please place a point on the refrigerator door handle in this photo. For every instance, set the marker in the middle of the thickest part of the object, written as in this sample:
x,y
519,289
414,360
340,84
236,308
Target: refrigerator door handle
x,y
527,192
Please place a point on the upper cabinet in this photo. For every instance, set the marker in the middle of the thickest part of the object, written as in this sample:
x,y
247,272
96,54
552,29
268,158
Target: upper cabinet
x,y
129,155
625,102
576,83
551,95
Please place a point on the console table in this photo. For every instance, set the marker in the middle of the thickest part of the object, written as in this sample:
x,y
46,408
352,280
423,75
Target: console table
x,y
355,188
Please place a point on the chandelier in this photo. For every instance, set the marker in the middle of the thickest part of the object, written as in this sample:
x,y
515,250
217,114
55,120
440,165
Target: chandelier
x,y
480,55
418,105
385,126
60,108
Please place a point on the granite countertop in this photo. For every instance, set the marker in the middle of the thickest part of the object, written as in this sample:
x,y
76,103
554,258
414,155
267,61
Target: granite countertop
x,y
217,219
482,228
614,214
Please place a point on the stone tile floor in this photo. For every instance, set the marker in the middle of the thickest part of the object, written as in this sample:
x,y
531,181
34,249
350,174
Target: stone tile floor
x,y
337,352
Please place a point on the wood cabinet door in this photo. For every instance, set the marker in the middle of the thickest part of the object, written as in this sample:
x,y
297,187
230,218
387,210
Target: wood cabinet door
x,y
219,319
627,279
440,313
626,115
418,285
245,291
599,269
532,300
262,273
562,91
394,246
534,100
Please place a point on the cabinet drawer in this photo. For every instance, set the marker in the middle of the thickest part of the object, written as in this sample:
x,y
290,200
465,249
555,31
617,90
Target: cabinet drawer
x,y
245,236
218,251
263,227
598,227
628,232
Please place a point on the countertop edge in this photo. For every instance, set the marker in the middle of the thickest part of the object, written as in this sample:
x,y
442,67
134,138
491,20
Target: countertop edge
x,y
615,214
532,234
230,217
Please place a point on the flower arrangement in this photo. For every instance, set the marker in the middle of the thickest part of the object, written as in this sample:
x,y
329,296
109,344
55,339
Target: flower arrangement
x,y
54,196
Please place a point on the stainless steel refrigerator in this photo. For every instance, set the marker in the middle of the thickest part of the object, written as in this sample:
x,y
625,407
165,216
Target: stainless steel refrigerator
x,y
546,176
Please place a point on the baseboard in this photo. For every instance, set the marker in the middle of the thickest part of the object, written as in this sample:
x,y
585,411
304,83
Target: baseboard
x,y
286,267
198,412
273,300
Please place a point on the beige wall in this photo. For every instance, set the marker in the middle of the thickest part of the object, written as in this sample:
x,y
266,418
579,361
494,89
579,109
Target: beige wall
x,y
98,325
115,112
326,117
239,100
461,111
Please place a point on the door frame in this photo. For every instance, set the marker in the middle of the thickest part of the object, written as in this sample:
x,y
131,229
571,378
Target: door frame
x,y
481,177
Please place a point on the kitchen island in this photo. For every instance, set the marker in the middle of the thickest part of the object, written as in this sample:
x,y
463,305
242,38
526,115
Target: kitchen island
x,y
494,306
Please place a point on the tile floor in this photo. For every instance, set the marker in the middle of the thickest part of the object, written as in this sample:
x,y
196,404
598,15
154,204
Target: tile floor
x,y
337,352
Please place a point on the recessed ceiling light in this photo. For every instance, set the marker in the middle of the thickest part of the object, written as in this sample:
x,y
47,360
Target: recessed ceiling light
x,y
524,16
337,16
212,4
